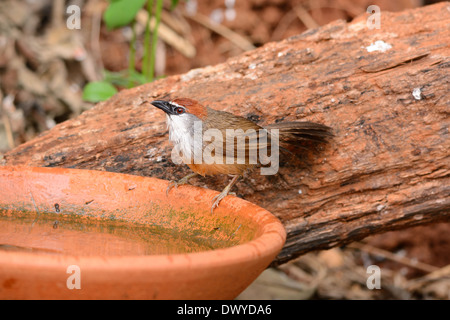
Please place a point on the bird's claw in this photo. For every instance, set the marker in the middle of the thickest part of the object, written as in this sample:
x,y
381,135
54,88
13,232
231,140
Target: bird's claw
x,y
218,198
175,184
172,184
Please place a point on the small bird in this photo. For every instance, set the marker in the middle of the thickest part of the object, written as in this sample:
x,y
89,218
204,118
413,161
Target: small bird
x,y
189,122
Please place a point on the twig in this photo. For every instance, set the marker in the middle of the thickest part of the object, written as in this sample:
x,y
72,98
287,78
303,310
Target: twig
x,y
168,35
157,15
8,130
95,37
438,275
283,25
58,10
176,22
305,17
225,32
391,256
7,124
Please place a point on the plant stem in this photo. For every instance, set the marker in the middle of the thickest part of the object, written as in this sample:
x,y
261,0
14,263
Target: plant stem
x,y
159,6
131,62
146,59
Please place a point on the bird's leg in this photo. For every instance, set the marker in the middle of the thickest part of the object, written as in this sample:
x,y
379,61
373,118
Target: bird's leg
x,y
180,182
224,193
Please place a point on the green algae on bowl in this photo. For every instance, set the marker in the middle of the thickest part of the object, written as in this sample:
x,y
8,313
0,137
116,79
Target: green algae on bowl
x,y
53,233
84,216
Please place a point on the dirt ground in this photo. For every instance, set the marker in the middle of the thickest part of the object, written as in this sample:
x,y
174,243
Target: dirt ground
x,y
44,67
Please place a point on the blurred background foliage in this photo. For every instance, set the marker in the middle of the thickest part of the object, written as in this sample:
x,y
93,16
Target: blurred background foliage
x,y
45,67
118,14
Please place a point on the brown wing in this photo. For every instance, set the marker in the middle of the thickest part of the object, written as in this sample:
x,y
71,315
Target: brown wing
x,y
235,138
245,141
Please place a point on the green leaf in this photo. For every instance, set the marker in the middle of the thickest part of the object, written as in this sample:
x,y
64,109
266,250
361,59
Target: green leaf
x,y
173,4
137,78
123,78
98,91
121,12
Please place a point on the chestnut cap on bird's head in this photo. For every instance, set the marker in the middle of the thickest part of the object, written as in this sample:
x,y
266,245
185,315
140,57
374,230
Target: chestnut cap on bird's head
x,y
182,115
180,106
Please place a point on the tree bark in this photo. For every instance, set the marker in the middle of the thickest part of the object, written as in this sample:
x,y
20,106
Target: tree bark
x,y
387,168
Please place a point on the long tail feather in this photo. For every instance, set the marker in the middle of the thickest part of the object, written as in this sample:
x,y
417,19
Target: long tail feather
x,y
302,134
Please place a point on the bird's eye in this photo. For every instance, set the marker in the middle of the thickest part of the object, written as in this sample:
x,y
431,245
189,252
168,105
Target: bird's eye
x,y
179,110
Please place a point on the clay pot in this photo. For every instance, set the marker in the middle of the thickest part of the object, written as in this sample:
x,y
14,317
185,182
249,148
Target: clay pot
x,y
81,234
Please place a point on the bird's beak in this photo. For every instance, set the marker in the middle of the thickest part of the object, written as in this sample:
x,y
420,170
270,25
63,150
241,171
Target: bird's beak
x,y
163,105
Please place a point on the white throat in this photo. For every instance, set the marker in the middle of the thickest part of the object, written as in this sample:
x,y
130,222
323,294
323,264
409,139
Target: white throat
x,y
182,129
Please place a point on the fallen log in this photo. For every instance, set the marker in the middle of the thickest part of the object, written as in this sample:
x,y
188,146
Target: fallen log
x,y
383,91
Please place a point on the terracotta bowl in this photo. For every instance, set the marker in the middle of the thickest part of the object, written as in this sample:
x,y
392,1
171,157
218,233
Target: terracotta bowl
x,y
81,234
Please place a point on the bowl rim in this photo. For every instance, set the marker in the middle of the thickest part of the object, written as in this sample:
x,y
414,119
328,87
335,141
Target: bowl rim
x,y
269,242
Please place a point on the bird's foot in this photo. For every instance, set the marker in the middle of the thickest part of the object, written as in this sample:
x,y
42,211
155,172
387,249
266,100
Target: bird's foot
x,y
175,184
219,197
224,193
172,184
